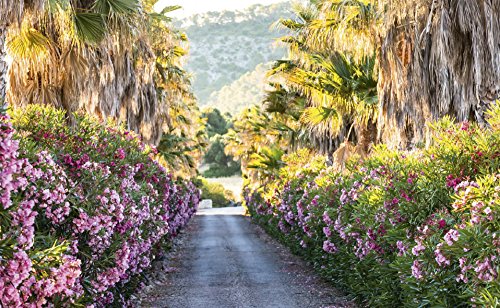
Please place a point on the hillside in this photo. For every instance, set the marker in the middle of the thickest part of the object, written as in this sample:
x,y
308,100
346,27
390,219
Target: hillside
x,y
225,46
245,91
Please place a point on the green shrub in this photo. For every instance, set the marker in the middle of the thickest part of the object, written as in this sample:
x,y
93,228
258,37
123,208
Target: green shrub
x,y
220,196
419,229
84,210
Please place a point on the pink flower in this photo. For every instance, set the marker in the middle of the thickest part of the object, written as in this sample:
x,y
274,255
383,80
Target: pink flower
x,y
418,249
326,219
401,247
485,270
451,237
463,270
440,258
329,247
442,224
303,244
416,270
327,231
120,153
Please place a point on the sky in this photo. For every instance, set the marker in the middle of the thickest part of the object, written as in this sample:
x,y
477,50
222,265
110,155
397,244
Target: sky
x,y
191,7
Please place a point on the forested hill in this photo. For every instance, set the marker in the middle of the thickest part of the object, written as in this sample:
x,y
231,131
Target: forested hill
x,y
226,45
247,90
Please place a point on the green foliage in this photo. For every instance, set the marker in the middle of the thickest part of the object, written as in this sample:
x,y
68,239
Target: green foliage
x,y
255,141
220,163
336,80
215,154
267,162
412,229
178,151
220,196
217,124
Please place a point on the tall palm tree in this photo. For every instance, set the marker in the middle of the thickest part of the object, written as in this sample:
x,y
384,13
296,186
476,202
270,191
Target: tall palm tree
x,y
338,80
436,58
433,58
58,52
110,58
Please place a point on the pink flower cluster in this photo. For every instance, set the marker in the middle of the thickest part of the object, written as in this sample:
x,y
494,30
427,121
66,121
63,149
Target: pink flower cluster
x,y
334,219
88,209
20,283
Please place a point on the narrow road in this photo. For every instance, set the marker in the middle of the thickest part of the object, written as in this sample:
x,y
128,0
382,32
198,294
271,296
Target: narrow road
x,y
226,261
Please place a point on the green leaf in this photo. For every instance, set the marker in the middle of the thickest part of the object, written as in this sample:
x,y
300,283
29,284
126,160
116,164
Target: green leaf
x,y
119,7
90,27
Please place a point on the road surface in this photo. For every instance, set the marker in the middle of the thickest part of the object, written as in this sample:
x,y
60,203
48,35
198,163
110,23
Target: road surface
x,y
226,261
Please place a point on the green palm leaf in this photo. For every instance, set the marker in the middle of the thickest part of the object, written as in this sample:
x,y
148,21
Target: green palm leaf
x,y
90,27
118,7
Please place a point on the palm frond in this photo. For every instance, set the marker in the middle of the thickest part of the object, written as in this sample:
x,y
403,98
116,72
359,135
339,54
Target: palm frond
x,y
29,44
90,27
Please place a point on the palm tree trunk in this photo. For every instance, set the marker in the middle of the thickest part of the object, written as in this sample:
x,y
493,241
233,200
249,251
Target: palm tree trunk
x,y
367,136
437,58
3,65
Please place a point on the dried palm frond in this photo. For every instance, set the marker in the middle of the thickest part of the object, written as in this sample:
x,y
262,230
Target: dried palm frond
x,y
112,58
437,58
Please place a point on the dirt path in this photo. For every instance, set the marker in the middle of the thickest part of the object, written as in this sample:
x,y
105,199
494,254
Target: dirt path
x,y
226,261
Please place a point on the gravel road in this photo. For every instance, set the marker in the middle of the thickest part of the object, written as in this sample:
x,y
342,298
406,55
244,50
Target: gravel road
x,y
226,261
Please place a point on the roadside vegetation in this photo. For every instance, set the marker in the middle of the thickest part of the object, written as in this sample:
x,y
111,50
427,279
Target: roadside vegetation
x,y
84,210
374,154
398,228
366,160
96,154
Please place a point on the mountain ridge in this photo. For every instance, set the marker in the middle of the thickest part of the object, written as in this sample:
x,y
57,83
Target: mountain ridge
x,y
225,46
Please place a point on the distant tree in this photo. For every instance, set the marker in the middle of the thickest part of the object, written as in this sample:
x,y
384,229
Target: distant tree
x,y
215,154
221,164
217,124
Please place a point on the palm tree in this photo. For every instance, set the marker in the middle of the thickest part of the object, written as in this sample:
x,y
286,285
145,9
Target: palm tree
x,y
338,80
110,58
287,107
55,49
437,58
11,12
266,163
184,139
57,53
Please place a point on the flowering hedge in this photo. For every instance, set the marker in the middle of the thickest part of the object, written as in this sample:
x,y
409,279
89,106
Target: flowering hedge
x,y
398,229
83,210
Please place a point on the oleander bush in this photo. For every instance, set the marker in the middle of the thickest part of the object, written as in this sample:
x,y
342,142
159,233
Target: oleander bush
x,y
413,229
84,210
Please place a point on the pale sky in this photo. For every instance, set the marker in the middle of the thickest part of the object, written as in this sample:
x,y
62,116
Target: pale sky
x,y
190,7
